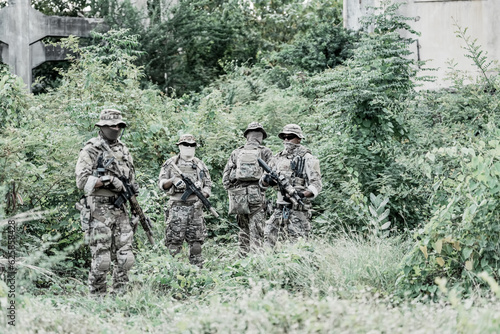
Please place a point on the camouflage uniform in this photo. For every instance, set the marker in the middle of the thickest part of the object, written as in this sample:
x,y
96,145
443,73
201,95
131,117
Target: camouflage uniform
x,y
291,221
184,219
251,224
110,233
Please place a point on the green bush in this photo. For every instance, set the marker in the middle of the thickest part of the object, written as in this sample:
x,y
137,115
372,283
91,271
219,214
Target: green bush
x,y
461,239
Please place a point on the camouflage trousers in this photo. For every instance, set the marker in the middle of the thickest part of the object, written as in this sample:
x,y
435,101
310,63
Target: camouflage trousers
x,y
185,223
251,232
286,224
110,238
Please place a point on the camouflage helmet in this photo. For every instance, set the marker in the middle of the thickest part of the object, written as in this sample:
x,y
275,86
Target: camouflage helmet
x,y
291,129
110,117
186,138
255,126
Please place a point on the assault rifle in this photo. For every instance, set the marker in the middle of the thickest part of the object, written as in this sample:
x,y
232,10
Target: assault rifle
x,y
127,194
192,189
288,192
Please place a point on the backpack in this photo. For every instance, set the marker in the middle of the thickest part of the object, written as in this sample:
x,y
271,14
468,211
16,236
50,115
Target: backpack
x,y
247,166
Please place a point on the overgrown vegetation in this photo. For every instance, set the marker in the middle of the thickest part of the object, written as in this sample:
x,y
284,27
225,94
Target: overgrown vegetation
x,y
410,205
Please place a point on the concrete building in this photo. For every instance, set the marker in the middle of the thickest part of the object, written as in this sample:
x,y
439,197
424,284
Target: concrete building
x,y
437,23
22,30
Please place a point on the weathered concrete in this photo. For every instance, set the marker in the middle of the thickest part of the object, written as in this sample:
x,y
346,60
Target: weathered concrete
x,y
354,10
437,23
21,27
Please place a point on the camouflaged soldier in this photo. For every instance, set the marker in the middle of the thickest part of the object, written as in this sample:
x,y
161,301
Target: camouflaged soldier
x,y
298,168
184,219
241,179
101,162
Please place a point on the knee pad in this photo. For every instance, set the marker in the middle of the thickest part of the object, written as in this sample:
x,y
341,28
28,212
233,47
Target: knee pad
x,y
126,259
102,262
195,249
174,249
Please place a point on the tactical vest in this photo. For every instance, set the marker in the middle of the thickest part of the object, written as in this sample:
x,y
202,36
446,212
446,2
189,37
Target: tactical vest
x,y
121,164
189,169
247,166
284,166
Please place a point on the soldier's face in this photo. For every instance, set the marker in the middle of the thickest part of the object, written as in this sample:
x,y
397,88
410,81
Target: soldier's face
x,y
291,139
111,132
187,151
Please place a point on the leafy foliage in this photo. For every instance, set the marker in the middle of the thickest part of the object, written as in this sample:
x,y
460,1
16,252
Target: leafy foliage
x,y
461,238
476,54
394,159
363,103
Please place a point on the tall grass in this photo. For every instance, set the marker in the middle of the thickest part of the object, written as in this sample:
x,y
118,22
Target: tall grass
x,y
342,285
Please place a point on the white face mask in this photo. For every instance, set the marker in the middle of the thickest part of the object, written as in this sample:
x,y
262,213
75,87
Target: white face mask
x,y
187,153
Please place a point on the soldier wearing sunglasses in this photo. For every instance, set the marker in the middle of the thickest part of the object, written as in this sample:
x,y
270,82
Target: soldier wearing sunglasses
x,y
299,171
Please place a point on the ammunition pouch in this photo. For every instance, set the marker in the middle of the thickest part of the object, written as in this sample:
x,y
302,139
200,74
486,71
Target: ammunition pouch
x,y
254,195
238,201
85,215
299,182
302,207
242,199
307,206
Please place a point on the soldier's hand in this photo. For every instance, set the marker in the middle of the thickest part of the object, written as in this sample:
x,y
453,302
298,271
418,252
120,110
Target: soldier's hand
x,y
198,185
116,184
135,188
308,193
269,180
178,183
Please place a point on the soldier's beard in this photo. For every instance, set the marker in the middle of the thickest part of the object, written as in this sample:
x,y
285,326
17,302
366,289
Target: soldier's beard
x,y
290,147
186,152
110,134
255,137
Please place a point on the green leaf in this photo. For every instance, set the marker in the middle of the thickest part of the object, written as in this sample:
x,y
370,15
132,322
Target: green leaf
x,y
466,252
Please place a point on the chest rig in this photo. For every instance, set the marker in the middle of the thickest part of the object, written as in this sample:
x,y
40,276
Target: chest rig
x,y
114,162
293,168
191,170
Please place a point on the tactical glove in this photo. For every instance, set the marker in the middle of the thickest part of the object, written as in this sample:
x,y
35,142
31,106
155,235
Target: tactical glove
x,y
135,188
116,184
178,183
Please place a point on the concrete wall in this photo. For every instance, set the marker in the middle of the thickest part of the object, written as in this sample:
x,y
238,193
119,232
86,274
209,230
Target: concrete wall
x,y
21,27
437,18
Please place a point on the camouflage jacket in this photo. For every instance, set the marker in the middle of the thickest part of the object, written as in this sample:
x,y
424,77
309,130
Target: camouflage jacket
x,y
86,166
228,176
307,178
196,170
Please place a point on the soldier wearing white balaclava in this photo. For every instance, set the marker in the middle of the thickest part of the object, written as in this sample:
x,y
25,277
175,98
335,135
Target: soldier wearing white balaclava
x,y
184,219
